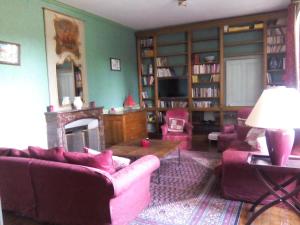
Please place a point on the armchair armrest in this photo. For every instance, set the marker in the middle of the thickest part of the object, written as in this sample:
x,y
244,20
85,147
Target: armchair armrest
x,y
141,168
164,129
229,128
189,128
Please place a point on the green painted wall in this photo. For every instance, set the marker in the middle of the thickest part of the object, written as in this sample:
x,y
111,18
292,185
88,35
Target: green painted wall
x,y
24,89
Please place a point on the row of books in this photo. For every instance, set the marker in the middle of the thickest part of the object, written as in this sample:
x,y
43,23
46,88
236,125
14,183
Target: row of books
x,y
147,43
172,104
148,80
211,92
196,59
204,104
161,61
147,69
276,31
213,78
276,62
271,40
145,94
148,104
276,48
228,29
165,72
206,68
161,117
147,53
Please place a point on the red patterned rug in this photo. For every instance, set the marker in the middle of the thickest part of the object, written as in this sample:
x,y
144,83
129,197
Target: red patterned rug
x,y
189,194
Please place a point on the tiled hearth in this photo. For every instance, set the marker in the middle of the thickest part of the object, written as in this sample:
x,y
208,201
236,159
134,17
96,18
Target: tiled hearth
x,y
57,121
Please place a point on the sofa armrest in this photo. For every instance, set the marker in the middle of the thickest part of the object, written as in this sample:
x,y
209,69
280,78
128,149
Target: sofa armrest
x,y
164,129
139,169
229,128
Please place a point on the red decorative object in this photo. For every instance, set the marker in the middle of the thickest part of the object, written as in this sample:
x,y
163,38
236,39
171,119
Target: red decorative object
x,y
129,102
145,143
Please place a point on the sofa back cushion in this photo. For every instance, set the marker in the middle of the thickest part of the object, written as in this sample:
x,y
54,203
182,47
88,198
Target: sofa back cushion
x,y
14,152
101,161
53,154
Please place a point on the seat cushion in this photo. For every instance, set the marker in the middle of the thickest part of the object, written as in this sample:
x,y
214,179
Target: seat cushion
x,y
101,161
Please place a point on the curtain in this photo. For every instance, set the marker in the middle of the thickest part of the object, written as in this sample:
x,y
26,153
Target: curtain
x,y
291,76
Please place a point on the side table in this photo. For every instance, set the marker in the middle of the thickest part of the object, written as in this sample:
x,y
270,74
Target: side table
x,y
261,164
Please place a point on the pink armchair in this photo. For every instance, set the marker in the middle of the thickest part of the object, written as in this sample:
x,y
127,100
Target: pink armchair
x,y
186,136
234,135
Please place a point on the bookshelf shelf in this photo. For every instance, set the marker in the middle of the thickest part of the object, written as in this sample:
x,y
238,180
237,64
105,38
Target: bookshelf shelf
x,y
170,66
239,43
173,55
163,44
205,39
172,77
242,31
207,51
173,98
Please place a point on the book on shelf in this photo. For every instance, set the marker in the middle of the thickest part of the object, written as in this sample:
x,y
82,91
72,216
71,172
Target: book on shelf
x,y
212,78
148,53
196,58
147,69
150,117
210,92
206,68
161,117
165,72
145,94
276,62
148,104
204,104
147,43
148,81
161,61
276,48
172,104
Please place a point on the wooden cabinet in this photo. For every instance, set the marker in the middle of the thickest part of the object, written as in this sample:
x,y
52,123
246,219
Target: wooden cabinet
x,y
124,127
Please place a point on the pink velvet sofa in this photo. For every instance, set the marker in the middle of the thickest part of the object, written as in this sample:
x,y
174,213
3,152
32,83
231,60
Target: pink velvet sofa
x,y
238,179
68,194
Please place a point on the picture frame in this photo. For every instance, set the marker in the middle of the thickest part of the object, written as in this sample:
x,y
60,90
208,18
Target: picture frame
x,y
115,64
10,53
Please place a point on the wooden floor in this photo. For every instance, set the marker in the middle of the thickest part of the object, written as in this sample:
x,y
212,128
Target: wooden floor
x,y
273,216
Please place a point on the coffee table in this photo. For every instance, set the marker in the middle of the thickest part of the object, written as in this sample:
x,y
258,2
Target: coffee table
x,y
158,148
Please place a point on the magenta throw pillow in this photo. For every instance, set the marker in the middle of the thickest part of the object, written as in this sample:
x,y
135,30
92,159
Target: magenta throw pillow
x,y
176,125
54,154
102,161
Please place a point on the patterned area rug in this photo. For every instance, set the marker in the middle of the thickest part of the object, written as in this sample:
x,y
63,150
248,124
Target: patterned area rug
x,y
188,194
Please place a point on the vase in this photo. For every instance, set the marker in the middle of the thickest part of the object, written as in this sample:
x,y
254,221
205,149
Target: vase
x,y
77,102
280,144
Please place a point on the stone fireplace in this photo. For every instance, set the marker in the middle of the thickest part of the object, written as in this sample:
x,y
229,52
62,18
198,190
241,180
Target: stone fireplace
x,y
59,123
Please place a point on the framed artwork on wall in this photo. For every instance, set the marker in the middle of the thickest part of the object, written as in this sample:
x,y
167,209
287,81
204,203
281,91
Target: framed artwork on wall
x,y
115,64
9,53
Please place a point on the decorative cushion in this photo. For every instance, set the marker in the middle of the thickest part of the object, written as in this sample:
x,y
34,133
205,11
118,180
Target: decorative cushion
x,y
176,125
118,162
14,152
257,140
53,154
101,161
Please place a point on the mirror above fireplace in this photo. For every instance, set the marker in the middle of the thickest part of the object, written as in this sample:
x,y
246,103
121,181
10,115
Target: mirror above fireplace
x,y
65,59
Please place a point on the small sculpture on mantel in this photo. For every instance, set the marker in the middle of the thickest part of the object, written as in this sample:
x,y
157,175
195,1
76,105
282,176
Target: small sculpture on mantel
x,y
77,102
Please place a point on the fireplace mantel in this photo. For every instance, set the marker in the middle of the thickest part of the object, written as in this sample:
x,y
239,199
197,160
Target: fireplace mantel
x,y
56,122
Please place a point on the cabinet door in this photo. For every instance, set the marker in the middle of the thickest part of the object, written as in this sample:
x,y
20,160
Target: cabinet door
x,y
135,126
113,130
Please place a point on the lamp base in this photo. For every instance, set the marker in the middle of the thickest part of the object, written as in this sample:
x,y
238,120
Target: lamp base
x,y
280,144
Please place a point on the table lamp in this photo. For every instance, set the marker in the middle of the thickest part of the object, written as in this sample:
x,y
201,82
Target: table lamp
x,y
278,111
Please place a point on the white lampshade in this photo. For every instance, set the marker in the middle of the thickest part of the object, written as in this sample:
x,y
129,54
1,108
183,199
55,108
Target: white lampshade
x,y
276,108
